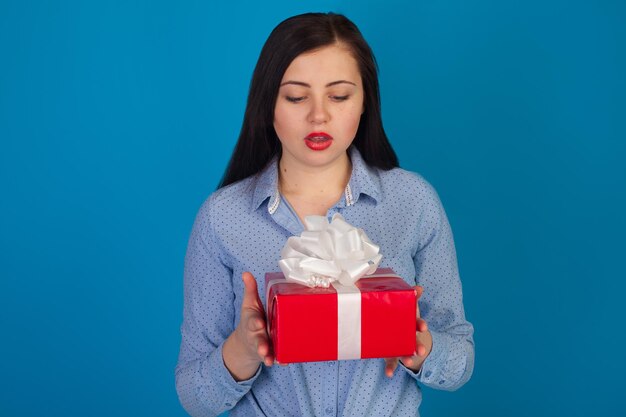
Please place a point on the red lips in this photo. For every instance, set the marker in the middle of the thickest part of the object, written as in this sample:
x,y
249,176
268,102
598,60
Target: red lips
x,y
318,141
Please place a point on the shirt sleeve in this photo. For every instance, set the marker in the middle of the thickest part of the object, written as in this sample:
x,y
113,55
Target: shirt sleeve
x,y
204,385
451,360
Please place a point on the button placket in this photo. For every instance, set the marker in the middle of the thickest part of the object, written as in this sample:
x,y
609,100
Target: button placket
x,y
330,389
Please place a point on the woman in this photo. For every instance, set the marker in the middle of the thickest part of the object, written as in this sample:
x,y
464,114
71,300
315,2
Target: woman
x,y
312,142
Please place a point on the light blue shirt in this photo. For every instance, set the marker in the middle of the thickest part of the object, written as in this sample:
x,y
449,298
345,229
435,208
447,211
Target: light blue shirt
x,y
244,226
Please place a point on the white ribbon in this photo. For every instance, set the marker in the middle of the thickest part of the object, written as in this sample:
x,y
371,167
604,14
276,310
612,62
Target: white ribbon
x,y
348,321
329,252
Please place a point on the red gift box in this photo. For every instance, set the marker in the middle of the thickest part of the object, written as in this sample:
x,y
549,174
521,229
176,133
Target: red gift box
x,y
321,324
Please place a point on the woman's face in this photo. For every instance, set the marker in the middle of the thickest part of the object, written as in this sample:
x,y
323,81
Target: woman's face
x,y
318,108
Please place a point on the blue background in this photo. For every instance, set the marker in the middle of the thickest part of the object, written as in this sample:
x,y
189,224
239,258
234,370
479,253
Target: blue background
x,y
117,119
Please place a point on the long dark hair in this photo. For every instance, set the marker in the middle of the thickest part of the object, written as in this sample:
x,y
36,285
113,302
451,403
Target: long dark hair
x,y
258,143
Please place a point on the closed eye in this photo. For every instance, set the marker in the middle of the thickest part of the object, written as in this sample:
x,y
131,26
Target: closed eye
x,y
340,98
294,99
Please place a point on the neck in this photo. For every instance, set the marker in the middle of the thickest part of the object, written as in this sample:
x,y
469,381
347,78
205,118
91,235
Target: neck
x,y
314,182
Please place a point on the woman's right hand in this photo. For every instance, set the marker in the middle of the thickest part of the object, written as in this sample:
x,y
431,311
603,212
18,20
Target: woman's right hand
x,y
249,344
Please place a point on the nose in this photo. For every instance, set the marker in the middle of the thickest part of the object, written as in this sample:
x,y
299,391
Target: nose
x,y
319,113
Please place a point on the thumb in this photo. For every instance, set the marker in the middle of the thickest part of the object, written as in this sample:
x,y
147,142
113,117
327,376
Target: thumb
x,y
250,292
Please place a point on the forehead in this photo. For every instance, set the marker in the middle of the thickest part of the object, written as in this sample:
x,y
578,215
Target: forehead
x,y
327,64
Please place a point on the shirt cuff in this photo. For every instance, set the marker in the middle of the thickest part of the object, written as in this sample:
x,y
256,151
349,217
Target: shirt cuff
x,y
233,391
433,368
434,363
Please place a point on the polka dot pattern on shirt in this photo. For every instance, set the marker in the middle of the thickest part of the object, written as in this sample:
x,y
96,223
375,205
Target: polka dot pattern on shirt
x,y
235,232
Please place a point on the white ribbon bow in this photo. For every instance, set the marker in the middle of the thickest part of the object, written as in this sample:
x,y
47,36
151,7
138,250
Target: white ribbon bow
x,y
329,252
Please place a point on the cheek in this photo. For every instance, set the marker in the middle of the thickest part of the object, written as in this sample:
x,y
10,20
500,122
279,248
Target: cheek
x,y
287,114
352,122
353,117
280,118
283,122
278,115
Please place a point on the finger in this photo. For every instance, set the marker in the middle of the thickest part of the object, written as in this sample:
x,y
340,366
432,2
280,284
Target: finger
x,y
422,326
418,293
251,292
390,366
419,290
408,361
268,360
255,322
264,348
262,345
420,349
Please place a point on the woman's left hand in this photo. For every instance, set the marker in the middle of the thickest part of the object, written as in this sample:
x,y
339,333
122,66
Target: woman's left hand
x,y
424,344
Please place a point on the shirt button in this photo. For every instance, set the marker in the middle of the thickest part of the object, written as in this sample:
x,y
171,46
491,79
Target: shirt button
x,y
329,410
428,373
228,404
442,382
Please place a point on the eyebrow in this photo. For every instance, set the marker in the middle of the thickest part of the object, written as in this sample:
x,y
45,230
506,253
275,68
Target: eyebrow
x,y
309,86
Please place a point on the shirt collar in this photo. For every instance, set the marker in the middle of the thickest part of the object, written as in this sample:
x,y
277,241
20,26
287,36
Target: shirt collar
x,y
364,180
267,186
